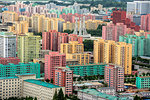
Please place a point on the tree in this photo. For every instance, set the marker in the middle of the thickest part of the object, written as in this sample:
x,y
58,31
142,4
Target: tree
x,y
55,97
61,94
105,84
52,81
68,31
137,98
88,45
47,80
35,98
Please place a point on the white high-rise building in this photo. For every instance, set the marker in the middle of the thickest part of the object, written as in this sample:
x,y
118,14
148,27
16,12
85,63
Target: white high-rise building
x,y
138,7
7,45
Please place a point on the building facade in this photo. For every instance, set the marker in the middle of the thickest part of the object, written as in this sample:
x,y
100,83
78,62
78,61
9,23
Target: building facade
x,y
114,77
7,45
6,61
72,47
40,90
88,69
54,59
28,47
138,7
64,77
145,22
119,53
26,85
9,17
112,31
11,69
143,82
139,44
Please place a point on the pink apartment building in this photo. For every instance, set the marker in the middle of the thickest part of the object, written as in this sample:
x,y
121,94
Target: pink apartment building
x,y
145,22
75,37
71,17
64,77
112,31
5,61
114,77
51,40
54,59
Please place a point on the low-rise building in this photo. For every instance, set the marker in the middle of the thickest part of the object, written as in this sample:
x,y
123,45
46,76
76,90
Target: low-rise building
x,y
108,90
25,85
79,86
92,94
40,90
11,69
143,82
88,69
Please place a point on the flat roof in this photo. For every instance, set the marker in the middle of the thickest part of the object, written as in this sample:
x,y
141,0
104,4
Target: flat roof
x,y
99,94
1,78
41,83
26,74
87,65
144,76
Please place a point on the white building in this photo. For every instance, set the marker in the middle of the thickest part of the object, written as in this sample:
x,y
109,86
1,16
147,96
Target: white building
x,y
23,85
9,87
40,90
7,45
138,7
107,90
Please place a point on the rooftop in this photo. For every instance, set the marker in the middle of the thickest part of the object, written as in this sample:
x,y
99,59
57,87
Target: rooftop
x,y
41,83
99,94
1,78
26,74
86,65
144,76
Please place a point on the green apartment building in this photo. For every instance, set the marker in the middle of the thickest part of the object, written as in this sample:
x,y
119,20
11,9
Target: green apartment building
x,y
88,69
28,47
11,69
143,82
140,44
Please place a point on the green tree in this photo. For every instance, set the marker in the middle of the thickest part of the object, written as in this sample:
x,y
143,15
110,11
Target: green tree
x,y
137,98
47,80
68,31
61,94
88,45
105,84
52,81
55,97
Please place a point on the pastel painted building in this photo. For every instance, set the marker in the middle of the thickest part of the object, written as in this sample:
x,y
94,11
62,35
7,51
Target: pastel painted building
x,y
114,77
118,53
145,22
50,40
11,69
41,90
54,59
93,94
9,17
64,77
112,31
25,85
139,44
82,58
72,47
28,47
7,44
6,61
119,16
87,69
143,82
